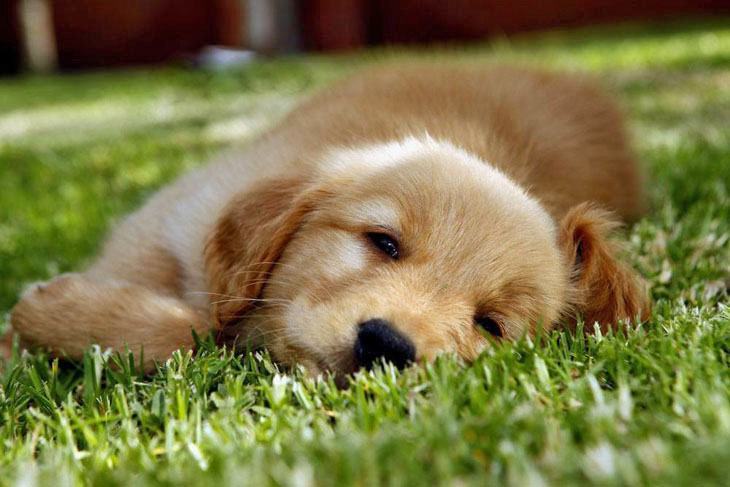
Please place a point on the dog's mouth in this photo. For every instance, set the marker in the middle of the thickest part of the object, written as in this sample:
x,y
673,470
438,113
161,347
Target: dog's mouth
x,y
342,363
377,342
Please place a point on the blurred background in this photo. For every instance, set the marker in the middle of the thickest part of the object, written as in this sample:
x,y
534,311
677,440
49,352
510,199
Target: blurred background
x,y
50,35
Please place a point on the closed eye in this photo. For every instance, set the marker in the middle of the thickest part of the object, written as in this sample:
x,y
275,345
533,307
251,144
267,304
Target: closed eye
x,y
385,243
489,325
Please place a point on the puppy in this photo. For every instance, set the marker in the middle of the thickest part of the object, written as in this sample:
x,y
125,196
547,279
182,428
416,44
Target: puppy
x,y
399,214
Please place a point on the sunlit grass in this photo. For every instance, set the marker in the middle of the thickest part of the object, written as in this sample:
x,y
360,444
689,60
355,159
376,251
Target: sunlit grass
x,y
651,406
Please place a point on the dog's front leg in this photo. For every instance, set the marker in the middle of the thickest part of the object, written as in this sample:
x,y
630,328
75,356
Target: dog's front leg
x,y
73,311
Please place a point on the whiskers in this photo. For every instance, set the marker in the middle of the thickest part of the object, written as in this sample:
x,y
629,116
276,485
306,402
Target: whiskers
x,y
248,321
243,299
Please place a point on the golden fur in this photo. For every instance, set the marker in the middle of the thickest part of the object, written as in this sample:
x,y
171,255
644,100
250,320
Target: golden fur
x,y
497,182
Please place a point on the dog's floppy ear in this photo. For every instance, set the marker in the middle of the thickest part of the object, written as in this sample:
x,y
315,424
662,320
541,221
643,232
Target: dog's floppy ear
x,y
246,242
605,290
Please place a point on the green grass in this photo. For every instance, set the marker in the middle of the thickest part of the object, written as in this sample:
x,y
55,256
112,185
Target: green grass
x,y
651,406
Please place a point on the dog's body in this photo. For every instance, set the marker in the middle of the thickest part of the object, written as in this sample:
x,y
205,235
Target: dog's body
x,y
231,246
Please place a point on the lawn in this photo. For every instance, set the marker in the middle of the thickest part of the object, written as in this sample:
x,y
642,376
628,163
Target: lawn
x,y
649,406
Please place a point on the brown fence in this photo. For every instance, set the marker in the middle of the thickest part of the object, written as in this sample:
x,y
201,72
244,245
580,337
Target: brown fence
x,y
94,33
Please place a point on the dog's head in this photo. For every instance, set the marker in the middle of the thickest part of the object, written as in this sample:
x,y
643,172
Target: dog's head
x,y
403,251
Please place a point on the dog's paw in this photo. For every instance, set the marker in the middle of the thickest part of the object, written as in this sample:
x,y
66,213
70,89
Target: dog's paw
x,y
41,288
36,301
32,288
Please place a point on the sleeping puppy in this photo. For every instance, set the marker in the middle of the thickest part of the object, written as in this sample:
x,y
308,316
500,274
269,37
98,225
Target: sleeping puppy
x,y
400,214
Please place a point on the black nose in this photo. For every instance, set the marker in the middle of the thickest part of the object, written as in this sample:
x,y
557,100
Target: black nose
x,y
378,339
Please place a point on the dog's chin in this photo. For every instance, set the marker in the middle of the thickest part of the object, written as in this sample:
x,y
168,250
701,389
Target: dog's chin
x,y
339,366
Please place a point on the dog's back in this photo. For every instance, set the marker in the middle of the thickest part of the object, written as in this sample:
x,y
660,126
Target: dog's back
x,y
555,134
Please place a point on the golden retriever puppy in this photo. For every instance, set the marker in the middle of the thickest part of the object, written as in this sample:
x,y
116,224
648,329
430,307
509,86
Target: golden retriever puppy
x,y
399,214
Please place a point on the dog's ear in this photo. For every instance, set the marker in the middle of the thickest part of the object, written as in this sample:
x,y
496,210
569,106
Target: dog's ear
x,y
605,290
247,240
